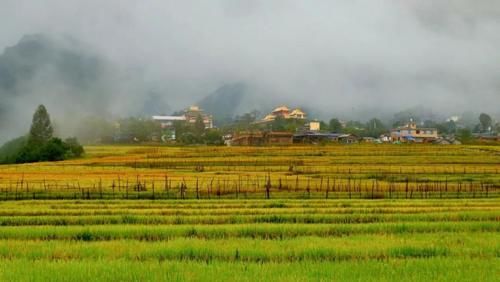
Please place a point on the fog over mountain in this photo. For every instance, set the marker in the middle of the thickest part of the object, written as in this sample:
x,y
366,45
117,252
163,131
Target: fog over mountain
x,y
346,58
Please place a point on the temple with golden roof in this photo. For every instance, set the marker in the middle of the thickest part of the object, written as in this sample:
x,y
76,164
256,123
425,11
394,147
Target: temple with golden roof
x,y
285,113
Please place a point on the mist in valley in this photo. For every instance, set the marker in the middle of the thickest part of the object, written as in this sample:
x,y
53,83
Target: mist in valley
x,y
346,59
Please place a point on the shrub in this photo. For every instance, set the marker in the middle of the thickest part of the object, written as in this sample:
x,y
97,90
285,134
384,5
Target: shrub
x,y
20,150
75,150
10,150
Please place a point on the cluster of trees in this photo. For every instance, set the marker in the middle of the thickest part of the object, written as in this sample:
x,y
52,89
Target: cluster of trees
x,y
190,134
136,129
486,124
39,144
372,128
139,130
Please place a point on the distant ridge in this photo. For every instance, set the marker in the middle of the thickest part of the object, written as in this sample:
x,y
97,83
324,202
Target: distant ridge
x,y
60,72
224,102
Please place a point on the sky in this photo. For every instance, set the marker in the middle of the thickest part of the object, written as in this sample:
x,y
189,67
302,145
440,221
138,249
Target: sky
x,y
336,56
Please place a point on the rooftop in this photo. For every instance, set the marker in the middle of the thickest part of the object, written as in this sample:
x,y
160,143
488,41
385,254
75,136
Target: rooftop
x,y
169,118
281,109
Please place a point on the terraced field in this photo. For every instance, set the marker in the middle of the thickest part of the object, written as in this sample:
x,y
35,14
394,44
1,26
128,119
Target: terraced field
x,y
299,213
362,171
248,240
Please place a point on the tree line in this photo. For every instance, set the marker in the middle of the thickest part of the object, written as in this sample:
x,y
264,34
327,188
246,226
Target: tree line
x,y
143,129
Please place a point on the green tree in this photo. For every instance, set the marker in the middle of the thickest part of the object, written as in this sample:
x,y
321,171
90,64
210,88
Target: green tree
x,y
213,137
188,138
242,123
282,124
355,127
137,129
53,150
374,128
323,126
448,127
279,124
451,127
485,121
335,125
199,126
41,129
464,135
74,149
39,145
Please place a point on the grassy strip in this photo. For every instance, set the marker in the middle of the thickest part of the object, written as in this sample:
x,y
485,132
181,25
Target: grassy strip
x,y
263,231
432,269
76,210
241,219
358,247
249,204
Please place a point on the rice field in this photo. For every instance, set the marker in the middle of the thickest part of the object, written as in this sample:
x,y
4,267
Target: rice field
x,y
300,213
362,171
248,240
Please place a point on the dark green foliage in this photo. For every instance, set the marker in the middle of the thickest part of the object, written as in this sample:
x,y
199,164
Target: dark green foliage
x,y
323,125
282,124
39,145
450,127
374,128
10,150
188,138
199,126
41,129
213,137
75,150
53,150
137,129
188,134
486,121
335,126
242,122
464,135
355,127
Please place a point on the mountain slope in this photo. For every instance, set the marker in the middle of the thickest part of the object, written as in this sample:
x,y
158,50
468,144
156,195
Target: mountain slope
x,y
224,103
58,72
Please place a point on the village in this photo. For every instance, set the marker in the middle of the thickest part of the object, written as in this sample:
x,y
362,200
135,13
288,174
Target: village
x,y
287,126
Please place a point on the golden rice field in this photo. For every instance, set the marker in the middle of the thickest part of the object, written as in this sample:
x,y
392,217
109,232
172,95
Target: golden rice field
x,y
299,172
304,213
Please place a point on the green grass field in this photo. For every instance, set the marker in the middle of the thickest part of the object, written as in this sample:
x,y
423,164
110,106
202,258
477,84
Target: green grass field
x,y
248,240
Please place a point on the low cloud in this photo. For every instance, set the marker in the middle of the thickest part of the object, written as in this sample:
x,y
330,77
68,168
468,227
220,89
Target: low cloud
x,y
340,57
